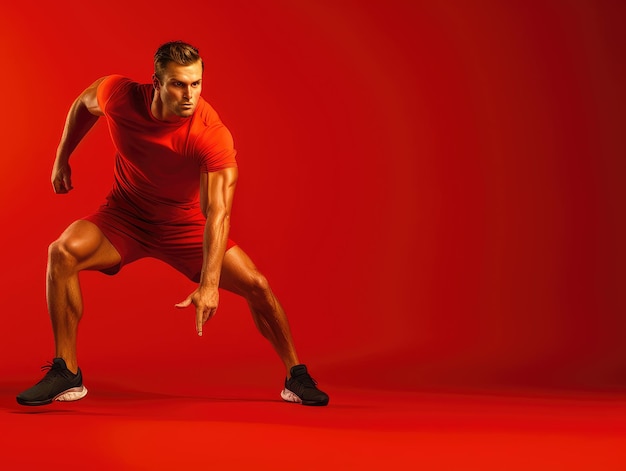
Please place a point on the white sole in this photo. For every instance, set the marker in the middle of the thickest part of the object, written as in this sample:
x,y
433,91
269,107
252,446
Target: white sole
x,y
289,396
73,394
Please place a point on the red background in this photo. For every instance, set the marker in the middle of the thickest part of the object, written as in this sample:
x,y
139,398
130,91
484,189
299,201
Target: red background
x,y
434,189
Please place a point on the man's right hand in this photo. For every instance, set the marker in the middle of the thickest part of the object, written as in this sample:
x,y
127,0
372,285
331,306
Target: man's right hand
x,y
62,178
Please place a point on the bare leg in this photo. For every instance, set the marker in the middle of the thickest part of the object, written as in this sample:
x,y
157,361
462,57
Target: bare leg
x,y
81,247
240,276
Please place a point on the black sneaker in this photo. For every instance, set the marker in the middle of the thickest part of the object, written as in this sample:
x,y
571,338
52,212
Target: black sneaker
x,y
59,384
301,388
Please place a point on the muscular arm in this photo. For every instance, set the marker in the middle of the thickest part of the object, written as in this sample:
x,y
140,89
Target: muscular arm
x,y
217,190
83,114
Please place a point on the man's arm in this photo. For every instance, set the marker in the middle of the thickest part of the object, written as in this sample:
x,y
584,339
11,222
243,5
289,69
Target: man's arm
x,y
217,190
83,114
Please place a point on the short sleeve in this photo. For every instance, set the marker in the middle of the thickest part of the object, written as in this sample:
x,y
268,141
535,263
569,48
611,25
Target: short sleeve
x,y
218,152
108,88
211,141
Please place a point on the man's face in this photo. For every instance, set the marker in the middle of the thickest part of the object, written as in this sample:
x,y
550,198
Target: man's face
x,y
179,90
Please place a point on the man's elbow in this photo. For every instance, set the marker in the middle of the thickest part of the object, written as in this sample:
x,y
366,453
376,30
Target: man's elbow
x,y
217,213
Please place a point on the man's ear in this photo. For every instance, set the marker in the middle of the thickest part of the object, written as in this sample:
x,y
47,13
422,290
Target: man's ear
x,y
155,82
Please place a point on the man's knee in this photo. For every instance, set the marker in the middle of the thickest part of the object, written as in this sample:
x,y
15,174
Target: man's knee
x,y
62,254
258,287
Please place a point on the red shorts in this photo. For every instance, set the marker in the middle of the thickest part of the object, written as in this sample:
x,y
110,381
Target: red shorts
x,y
178,244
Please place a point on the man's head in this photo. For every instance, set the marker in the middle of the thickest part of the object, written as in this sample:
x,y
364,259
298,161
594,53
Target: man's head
x,y
177,81
175,51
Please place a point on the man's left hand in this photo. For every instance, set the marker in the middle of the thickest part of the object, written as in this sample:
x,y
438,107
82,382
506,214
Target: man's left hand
x,y
205,300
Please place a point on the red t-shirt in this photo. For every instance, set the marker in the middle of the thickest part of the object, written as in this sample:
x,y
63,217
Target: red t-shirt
x,y
157,163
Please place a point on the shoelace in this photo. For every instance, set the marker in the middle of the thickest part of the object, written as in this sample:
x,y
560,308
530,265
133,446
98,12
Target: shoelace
x,y
306,380
49,367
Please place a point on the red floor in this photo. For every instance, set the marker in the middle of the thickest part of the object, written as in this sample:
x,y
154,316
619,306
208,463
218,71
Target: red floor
x,y
242,429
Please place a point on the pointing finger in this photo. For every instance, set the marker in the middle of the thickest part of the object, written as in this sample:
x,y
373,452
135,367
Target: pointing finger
x,y
199,321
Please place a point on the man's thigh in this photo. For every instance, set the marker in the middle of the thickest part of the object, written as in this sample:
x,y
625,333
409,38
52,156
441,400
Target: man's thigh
x,y
89,246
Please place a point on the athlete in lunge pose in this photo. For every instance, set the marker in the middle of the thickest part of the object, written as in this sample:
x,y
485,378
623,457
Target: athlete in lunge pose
x,y
175,177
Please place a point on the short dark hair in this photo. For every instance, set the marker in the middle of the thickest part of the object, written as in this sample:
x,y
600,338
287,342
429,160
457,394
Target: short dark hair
x,y
175,51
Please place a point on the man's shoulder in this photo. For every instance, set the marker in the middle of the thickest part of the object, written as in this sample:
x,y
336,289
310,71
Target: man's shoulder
x,y
117,83
118,89
114,82
208,134
205,114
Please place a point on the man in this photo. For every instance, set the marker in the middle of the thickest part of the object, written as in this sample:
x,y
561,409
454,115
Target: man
x,y
175,178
